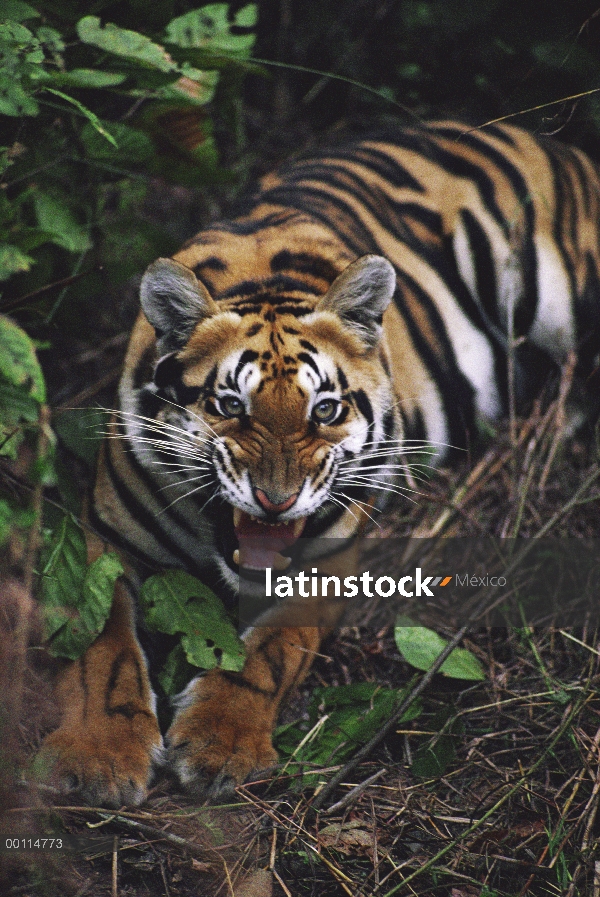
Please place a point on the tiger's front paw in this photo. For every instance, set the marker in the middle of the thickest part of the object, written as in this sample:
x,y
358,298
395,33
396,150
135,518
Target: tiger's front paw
x,y
110,767
221,736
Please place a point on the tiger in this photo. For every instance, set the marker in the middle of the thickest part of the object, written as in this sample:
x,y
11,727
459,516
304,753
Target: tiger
x,y
362,297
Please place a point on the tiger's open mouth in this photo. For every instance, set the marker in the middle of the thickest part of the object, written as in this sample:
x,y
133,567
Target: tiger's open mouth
x,y
261,543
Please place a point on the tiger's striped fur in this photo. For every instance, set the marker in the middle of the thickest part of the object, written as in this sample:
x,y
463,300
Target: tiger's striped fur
x,y
364,297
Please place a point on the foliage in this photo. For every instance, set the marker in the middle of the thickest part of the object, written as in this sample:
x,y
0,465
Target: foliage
x,y
340,720
22,388
432,758
22,397
82,90
76,599
420,646
87,100
175,602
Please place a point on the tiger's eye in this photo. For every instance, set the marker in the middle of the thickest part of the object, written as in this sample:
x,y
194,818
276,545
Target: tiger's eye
x,y
231,406
325,411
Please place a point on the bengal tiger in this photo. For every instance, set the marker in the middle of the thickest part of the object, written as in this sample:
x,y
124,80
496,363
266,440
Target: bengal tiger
x,y
363,297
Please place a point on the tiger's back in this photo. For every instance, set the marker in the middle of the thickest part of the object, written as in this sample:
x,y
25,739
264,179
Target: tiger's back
x,y
364,297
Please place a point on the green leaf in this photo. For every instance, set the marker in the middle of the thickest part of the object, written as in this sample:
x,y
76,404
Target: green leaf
x,y
91,117
354,713
199,93
14,100
177,672
16,406
127,44
19,365
17,409
88,78
432,758
13,261
51,39
55,218
17,11
131,147
6,520
175,602
11,518
209,29
63,572
420,647
22,388
82,431
76,599
565,57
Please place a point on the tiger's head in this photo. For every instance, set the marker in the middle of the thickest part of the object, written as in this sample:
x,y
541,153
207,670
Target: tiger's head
x,y
274,413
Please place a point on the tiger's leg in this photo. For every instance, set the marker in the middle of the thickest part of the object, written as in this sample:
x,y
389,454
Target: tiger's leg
x,y
221,734
108,741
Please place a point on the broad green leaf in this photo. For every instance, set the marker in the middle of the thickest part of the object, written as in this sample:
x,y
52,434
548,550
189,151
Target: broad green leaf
x,y
17,408
127,44
63,571
177,672
76,599
91,117
17,11
22,387
565,57
131,147
19,365
196,86
72,628
14,100
88,78
420,646
98,588
209,29
356,713
51,39
55,217
82,431
12,261
17,405
175,602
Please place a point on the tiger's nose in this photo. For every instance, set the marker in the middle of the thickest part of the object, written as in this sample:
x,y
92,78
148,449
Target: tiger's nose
x,y
270,506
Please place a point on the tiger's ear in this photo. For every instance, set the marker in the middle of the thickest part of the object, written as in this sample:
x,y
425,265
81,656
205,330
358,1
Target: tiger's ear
x,y
174,301
360,295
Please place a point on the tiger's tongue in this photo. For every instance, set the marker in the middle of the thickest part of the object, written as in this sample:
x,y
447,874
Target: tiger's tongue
x,y
260,544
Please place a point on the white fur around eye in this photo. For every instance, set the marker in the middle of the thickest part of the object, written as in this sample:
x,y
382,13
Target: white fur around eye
x,y
248,379
308,379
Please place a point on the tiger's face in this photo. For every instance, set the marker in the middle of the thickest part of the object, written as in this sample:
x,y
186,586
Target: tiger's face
x,y
268,414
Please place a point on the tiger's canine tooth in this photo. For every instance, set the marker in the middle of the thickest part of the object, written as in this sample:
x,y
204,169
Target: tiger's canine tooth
x,y
236,557
237,518
280,562
299,526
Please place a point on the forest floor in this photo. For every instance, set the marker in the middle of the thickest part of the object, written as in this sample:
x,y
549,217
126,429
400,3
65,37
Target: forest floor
x,y
490,787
